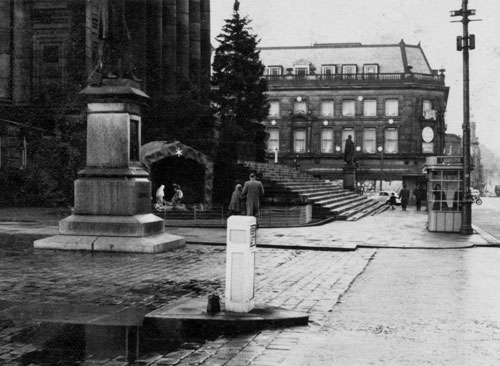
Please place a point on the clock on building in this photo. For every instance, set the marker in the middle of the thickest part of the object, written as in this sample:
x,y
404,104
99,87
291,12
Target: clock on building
x,y
427,134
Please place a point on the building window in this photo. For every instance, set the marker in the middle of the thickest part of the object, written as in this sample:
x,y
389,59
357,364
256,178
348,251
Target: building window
x,y
328,71
370,107
370,69
345,134
427,110
391,107
274,108
274,139
348,108
369,140
274,70
327,140
349,71
299,141
327,108
300,107
301,72
391,140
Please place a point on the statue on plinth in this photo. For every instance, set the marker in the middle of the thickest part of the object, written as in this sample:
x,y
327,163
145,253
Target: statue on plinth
x,y
114,59
349,151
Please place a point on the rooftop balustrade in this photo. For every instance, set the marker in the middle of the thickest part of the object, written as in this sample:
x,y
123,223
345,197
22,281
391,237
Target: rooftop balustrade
x,y
320,80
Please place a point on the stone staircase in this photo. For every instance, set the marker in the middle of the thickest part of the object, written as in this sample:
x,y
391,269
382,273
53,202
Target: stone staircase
x,y
284,185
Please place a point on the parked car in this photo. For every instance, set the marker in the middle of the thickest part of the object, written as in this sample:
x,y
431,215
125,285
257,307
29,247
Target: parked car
x,y
383,196
497,191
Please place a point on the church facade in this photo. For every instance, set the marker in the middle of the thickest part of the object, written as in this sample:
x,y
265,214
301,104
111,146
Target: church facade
x,y
48,48
387,97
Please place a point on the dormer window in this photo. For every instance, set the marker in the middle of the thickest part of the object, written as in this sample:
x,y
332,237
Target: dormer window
x,y
370,69
349,71
301,71
328,71
275,71
301,68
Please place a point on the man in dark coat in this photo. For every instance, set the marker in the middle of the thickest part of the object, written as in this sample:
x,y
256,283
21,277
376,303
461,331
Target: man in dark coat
x,y
253,190
404,195
419,194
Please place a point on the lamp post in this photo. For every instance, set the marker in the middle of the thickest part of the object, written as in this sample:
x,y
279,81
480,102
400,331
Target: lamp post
x,y
465,43
381,151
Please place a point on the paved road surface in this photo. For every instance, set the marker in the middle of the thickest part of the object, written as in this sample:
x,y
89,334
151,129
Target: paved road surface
x,y
385,306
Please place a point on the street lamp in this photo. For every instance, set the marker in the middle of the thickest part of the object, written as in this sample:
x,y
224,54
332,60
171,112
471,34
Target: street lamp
x,y
465,43
380,149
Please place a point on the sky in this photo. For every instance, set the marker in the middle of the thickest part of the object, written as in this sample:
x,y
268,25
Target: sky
x,y
299,23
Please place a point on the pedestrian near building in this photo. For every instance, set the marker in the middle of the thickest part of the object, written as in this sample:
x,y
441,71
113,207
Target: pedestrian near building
x,y
236,204
439,198
392,201
419,194
404,195
253,190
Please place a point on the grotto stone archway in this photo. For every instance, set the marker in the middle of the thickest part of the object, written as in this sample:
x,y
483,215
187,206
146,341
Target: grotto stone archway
x,y
155,151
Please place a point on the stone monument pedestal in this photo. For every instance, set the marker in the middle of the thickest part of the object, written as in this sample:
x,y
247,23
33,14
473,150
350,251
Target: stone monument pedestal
x,y
113,193
349,177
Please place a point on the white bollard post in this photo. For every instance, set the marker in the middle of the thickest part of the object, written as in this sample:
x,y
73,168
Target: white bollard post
x,y
240,263
276,156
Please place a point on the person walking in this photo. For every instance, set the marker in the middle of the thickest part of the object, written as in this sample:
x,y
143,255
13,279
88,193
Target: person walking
x,y
404,196
236,204
392,201
419,196
253,190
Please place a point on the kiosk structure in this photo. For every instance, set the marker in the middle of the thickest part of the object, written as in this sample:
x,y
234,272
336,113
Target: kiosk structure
x,y
445,193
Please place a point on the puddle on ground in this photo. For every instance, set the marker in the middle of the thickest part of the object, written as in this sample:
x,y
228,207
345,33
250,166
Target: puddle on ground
x,y
71,344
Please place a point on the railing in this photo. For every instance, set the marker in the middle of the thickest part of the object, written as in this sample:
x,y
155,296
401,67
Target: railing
x,y
270,216
329,79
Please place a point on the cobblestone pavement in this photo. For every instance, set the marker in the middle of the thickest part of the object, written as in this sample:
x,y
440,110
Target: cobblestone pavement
x,y
294,279
369,306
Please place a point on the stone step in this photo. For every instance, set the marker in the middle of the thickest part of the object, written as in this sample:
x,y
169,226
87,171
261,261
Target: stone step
x,y
316,193
327,201
344,206
311,187
285,183
369,208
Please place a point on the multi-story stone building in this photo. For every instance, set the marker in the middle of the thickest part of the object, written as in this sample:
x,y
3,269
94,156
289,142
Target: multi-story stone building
x,y
453,145
387,97
477,179
48,48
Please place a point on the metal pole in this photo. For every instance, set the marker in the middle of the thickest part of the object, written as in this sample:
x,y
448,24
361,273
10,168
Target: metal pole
x,y
467,209
381,168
